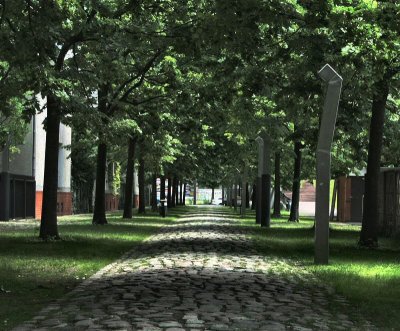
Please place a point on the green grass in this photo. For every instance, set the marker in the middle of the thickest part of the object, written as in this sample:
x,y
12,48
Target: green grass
x,y
369,279
33,273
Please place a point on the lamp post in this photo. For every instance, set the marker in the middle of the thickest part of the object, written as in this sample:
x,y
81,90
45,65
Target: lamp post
x,y
334,87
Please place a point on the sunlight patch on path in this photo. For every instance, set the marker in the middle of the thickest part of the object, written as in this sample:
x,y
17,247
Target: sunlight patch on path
x,y
199,273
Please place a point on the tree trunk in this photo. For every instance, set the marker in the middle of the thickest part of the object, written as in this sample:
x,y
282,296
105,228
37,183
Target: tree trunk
x,y
154,193
173,195
223,195
247,196
162,188
176,192
142,202
294,210
99,214
212,194
169,197
277,187
184,194
235,195
128,204
48,224
369,230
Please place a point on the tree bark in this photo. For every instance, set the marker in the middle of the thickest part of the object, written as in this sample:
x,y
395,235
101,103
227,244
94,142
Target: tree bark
x,y
294,210
277,187
176,192
128,204
173,192
247,196
99,213
154,193
212,193
142,202
229,195
162,188
369,230
169,197
184,194
235,195
48,224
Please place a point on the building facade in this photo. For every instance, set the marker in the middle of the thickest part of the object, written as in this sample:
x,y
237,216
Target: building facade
x,y
22,174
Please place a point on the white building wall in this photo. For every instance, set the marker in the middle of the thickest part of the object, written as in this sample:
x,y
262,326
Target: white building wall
x,y
135,182
21,161
40,147
64,160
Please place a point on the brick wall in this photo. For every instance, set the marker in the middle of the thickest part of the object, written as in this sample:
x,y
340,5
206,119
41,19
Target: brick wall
x,y
38,206
64,204
112,202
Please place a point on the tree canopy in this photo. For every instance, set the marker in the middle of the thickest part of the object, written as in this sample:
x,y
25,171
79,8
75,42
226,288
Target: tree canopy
x,y
197,81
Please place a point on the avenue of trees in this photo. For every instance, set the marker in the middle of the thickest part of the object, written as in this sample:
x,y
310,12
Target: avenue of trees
x,y
183,88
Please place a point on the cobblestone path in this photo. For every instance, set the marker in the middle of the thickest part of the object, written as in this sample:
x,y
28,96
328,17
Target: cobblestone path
x,y
201,273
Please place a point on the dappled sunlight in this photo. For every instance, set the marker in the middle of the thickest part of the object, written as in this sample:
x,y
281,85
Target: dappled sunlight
x,y
203,258
139,223
200,268
234,296
33,272
381,272
205,217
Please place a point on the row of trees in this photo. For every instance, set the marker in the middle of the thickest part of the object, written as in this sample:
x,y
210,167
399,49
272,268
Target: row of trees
x,y
192,83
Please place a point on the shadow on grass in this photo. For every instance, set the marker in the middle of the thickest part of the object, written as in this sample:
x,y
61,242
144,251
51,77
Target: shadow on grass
x,y
292,242
50,267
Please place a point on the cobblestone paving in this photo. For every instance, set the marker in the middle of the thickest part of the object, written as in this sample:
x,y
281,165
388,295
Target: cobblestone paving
x,y
201,273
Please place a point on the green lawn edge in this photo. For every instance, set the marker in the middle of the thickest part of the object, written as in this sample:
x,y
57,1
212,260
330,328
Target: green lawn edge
x,y
34,273
368,278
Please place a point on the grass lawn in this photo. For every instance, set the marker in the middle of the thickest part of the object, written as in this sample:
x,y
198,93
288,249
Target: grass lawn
x,y
33,273
369,279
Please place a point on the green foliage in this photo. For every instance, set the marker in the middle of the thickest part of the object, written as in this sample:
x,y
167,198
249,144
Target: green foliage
x,y
197,81
116,183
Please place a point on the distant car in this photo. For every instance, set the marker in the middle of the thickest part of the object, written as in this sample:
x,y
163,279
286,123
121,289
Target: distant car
x,y
216,201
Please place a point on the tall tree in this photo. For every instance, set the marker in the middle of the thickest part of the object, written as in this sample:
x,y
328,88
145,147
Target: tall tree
x,y
128,203
142,195
294,209
99,212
